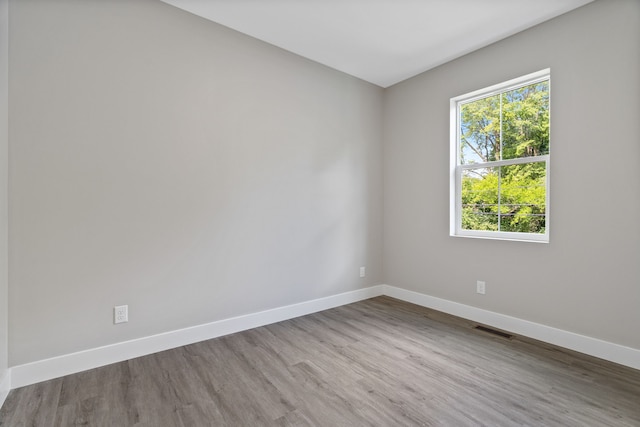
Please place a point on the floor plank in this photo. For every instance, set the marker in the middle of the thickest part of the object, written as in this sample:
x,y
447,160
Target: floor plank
x,y
378,362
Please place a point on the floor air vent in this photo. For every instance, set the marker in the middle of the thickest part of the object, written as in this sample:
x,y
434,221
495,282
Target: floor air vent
x,y
494,332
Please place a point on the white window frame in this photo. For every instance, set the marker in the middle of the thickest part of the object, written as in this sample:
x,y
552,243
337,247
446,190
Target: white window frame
x,y
456,169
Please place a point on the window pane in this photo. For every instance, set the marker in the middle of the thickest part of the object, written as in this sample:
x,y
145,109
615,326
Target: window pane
x,y
480,199
480,130
507,198
525,121
523,197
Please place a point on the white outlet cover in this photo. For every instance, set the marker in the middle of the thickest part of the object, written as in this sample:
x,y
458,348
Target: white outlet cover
x,y
120,314
480,287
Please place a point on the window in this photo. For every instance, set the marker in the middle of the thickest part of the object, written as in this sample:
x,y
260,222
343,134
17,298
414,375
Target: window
x,y
500,160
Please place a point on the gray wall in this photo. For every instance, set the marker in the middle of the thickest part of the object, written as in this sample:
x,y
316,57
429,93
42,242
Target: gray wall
x,y
162,161
586,280
4,176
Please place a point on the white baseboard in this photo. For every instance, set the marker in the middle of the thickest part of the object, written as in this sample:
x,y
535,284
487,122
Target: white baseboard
x,y
5,386
42,370
592,346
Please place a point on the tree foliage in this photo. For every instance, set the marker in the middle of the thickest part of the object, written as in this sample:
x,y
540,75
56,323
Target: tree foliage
x,y
510,125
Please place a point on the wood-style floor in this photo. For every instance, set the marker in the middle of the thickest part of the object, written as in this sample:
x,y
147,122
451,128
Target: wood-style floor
x,y
379,362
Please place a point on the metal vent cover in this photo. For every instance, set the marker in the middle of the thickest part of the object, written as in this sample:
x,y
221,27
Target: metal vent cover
x,y
494,331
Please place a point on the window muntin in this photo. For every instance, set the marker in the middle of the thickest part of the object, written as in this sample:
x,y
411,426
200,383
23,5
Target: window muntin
x,y
500,160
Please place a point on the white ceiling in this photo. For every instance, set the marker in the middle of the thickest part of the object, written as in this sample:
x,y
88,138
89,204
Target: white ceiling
x,y
380,41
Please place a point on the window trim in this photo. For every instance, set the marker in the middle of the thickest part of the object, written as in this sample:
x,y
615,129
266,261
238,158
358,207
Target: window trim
x,y
455,186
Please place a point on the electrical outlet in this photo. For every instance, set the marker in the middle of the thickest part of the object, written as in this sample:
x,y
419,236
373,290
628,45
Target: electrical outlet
x,y
480,287
120,313
361,271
